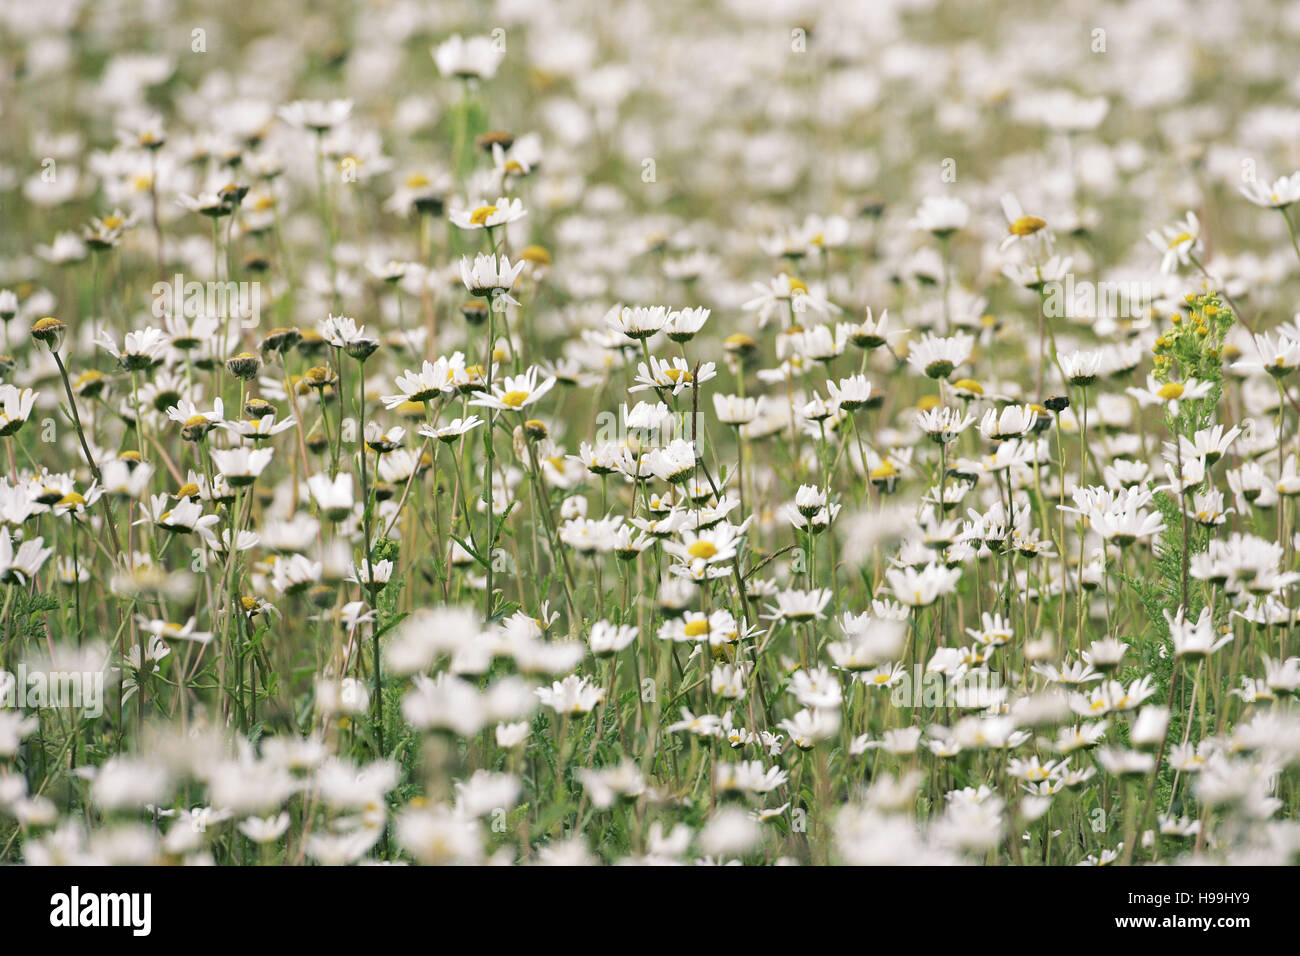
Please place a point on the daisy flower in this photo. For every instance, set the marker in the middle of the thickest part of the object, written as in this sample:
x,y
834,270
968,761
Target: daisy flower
x,y
476,58
674,374
1169,393
1177,243
573,695
490,277
941,216
241,466
15,408
517,393
140,350
423,385
1020,226
937,357
1284,192
316,115
480,214
452,430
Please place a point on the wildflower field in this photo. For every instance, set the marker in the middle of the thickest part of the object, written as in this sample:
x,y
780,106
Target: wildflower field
x,y
606,432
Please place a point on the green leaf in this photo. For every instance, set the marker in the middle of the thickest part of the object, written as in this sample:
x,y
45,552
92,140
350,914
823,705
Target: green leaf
x,y
470,551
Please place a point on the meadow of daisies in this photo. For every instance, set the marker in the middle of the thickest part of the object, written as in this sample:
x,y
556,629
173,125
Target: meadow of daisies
x,y
649,432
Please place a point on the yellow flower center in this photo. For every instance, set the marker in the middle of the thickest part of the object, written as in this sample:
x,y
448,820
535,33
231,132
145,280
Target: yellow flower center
x,y
697,628
1170,391
417,181
479,216
514,399
797,285
1179,239
968,385
1027,226
702,549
